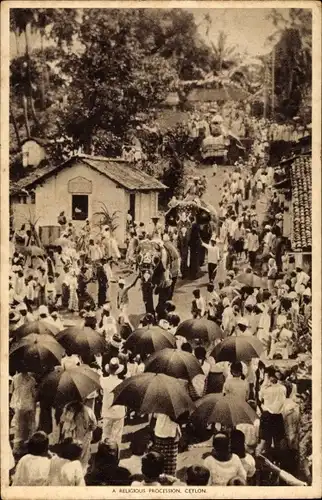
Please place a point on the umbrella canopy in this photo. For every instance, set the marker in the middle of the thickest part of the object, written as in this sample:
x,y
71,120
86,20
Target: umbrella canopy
x,y
61,242
251,279
36,353
82,341
202,211
71,384
149,339
226,410
173,362
41,327
32,250
154,393
202,329
242,348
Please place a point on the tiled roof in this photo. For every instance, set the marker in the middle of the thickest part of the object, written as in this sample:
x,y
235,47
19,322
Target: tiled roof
x,y
32,178
119,171
301,179
123,173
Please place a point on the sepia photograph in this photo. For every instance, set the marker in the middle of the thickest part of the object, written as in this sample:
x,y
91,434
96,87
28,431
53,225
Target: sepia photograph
x,y
160,266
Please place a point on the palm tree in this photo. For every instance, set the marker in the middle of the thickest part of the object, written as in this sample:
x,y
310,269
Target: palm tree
x,y
20,21
226,56
43,18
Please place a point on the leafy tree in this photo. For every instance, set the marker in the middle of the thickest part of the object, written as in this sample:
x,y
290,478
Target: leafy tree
x,y
293,59
101,69
113,77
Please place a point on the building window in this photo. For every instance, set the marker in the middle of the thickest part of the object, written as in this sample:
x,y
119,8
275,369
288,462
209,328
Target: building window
x,y
79,206
23,199
32,197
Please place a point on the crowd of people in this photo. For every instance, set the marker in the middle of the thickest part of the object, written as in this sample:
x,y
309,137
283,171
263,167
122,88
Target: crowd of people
x,y
255,288
238,119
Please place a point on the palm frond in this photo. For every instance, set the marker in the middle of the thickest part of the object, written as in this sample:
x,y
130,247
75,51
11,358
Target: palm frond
x,y
106,218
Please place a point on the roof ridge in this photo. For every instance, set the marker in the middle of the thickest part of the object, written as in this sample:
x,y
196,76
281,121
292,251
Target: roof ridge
x,y
102,158
139,181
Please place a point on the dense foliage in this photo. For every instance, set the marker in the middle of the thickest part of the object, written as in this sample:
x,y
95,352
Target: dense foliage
x,y
98,69
293,60
93,71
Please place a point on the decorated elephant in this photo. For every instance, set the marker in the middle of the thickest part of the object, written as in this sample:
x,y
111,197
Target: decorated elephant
x,y
195,222
158,263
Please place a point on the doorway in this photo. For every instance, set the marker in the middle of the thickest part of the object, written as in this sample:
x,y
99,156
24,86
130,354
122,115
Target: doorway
x,y
132,206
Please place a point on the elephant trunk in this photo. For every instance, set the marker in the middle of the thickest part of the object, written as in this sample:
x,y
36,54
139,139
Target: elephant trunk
x,y
147,293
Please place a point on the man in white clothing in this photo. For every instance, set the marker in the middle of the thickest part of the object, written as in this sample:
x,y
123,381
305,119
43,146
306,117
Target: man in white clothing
x,y
113,416
273,397
228,317
213,257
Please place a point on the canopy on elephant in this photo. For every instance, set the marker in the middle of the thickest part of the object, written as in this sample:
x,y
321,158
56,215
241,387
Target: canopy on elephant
x,y
191,206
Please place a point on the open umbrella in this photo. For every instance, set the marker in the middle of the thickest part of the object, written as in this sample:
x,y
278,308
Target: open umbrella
x,y
61,242
41,327
174,362
226,410
32,250
149,339
36,353
71,384
202,329
154,393
82,341
242,348
251,279
199,210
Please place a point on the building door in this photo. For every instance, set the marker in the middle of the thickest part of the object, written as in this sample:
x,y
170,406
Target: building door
x,y
132,206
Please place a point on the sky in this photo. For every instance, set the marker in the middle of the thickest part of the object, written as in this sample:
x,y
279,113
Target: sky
x,y
248,29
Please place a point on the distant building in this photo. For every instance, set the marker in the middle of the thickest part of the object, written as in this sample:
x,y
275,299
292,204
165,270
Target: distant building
x,y
79,186
33,151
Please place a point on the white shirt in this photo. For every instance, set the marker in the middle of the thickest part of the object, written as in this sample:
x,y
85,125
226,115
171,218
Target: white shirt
x,y
251,433
109,411
200,303
248,463
274,396
70,361
228,318
65,472
222,472
165,427
213,253
253,243
32,470
234,187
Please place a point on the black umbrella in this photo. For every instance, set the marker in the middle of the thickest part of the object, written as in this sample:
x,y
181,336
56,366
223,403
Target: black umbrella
x,y
36,353
149,339
174,362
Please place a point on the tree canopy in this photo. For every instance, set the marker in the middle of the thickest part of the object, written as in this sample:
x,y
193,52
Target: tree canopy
x,y
100,68
293,59
94,70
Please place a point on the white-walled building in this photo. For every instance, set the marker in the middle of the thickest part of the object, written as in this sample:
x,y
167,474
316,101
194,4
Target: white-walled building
x,y
33,152
79,186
